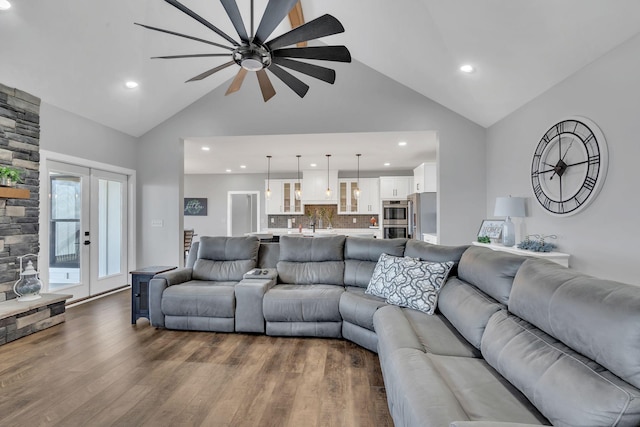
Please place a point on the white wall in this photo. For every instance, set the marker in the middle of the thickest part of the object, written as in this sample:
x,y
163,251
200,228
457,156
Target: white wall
x,y
215,188
603,238
67,133
362,100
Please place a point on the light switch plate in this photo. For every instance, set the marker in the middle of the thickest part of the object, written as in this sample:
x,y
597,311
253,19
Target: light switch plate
x,y
157,223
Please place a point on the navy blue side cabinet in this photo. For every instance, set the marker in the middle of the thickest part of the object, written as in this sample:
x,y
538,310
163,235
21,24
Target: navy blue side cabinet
x,y
140,290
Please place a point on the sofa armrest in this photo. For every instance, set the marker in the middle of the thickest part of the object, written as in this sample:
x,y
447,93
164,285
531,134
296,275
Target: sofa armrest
x,y
175,277
489,424
157,285
249,295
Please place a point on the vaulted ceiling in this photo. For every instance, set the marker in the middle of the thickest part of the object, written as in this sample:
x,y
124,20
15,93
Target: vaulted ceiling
x,y
77,54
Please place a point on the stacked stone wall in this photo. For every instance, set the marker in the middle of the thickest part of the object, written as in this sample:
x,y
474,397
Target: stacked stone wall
x,y
19,148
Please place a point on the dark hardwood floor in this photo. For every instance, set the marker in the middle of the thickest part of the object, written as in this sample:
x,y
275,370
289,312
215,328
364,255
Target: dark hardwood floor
x,y
97,369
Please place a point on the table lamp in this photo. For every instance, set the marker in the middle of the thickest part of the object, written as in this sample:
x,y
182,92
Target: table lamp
x,y
508,207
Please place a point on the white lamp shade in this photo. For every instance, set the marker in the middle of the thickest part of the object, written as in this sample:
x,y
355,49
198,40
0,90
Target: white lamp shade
x,y
509,206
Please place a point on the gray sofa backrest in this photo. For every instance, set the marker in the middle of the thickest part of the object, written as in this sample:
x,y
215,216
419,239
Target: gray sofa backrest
x,y
574,350
225,258
481,289
268,255
490,271
361,256
435,253
598,318
308,261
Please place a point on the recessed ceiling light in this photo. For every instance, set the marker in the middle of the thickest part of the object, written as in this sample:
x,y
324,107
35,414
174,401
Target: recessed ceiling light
x,y
467,68
206,148
4,5
387,164
228,170
130,84
243,166
402,143
313,165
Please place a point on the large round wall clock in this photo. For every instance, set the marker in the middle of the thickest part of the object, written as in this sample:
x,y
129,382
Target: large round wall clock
x,y
569,166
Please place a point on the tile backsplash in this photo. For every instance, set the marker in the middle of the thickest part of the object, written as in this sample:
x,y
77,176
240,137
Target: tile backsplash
x,y
337,221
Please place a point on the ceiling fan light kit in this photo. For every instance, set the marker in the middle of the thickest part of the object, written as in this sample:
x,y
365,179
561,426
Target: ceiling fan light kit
x,y
254,53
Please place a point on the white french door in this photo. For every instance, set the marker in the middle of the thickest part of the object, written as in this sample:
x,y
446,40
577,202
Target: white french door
x,y
87,221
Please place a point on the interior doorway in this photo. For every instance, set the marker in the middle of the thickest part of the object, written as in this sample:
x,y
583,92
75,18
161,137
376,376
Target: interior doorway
x,y
243,212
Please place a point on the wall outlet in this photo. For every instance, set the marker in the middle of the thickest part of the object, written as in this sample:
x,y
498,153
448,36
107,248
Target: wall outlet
x,y
273,220
293,220
354,220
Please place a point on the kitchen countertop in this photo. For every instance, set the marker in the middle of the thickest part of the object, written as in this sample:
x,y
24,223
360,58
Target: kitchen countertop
x,y
321,232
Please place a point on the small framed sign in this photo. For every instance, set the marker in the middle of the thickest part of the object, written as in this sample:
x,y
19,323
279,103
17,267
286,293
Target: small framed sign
x,y
491,228
194,206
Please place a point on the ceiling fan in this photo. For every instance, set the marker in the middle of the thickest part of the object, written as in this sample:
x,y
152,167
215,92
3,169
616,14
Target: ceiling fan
x,y
255,53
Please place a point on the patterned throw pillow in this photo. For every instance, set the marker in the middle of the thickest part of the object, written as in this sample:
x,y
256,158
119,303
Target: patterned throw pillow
x,y
387,268
418,284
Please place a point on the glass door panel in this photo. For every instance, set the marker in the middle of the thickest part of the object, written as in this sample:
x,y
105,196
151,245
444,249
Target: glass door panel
x,y
286,197
352,195
68,218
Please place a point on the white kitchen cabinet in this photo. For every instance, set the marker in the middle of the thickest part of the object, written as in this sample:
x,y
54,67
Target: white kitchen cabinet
x,y
314,187
425,178
369,201
395,187
347,202
283,200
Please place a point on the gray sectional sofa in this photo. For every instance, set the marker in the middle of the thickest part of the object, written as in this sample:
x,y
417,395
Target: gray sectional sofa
x,y
515,341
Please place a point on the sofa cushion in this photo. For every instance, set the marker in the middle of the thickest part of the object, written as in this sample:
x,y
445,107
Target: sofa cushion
x,y
491,271
298,249
598,318
406,328
199,298
310,273
225,258
418,283
387,268
430,390
436,253
358,308
467,308
302,303
565,386
361,256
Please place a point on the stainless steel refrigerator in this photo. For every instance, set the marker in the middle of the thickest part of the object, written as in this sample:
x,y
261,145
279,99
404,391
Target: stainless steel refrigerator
x,y
422,214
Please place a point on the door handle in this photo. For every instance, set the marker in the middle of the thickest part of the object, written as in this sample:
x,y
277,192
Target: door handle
x,y
87,242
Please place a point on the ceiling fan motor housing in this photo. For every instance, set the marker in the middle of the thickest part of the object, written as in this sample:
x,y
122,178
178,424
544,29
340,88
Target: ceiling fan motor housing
x,y
252,57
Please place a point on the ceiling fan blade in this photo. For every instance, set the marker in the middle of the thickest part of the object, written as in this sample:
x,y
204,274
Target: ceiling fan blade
x,y
199,55
275,12
173,33
234,14
200,19
266,87
211,71
321,73
237,82
297,85
326,25
326,53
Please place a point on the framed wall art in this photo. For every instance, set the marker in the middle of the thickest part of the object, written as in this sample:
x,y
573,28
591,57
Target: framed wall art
x,y
195,206
491,228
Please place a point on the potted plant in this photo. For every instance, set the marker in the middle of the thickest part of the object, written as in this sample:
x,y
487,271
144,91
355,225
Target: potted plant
x,y
9,176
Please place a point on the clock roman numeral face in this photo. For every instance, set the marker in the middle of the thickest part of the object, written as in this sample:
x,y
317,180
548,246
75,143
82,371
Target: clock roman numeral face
x,y
569,166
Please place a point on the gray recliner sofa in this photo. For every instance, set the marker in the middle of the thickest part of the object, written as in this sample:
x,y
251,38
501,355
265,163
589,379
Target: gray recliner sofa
x,y
515,341
202,297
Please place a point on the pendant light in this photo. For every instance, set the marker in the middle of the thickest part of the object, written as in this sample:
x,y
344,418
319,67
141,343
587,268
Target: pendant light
x,y
356,192
328,192
298,192
268,194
